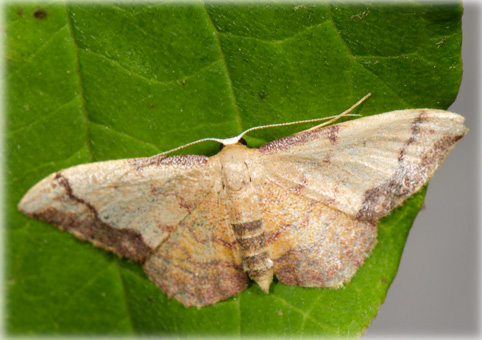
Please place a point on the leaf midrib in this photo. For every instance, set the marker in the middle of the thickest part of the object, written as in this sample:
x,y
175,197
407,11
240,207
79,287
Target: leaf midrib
x,y
81,87
226,70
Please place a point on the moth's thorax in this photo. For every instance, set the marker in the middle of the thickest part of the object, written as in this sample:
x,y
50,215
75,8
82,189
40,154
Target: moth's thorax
x,y
239,191
233,163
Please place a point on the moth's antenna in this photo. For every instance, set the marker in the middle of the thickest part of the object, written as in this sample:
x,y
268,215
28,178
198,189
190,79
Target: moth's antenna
x,y
343,114
331,119
222,141
234,140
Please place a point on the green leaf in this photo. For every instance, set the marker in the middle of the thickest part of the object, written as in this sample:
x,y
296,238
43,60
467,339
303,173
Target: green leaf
x,y
91,82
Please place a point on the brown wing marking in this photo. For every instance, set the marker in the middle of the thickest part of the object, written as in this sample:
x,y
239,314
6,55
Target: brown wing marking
x,y
368,166
199,264
126,206
82,220
311,244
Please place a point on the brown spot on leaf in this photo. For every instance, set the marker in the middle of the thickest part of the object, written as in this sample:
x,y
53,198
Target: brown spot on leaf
x,y
40,14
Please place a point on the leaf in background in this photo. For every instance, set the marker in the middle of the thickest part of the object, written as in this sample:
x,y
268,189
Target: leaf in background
x,y
89,82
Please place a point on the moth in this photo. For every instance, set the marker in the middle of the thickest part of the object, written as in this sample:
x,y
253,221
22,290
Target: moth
x,y
303,208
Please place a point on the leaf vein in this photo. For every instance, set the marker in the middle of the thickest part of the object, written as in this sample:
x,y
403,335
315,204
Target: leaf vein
x,y
305,314
348,50
49,115
37,51
153,80
225,65
126,135
45,165
277,41
80,83
84,285
126,299
354,59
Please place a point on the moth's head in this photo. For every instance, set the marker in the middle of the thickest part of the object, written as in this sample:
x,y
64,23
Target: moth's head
x,y
241,141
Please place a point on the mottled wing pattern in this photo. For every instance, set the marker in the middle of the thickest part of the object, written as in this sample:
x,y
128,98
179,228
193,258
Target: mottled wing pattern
x,y
200,263
364,167
125,206
318,195
322,191
311,244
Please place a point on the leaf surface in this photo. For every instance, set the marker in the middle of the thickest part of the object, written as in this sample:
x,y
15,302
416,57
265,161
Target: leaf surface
x,y
91,82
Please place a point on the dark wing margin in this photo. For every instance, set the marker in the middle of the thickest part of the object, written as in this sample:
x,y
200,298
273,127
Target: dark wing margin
x,y
126,206
200,263
311,244
368,166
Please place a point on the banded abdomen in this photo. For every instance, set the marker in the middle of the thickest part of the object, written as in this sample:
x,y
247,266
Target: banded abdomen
x,y
255,256
244,214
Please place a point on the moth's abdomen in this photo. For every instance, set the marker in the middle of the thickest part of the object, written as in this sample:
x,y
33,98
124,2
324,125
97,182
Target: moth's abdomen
x,y
242,205
254,253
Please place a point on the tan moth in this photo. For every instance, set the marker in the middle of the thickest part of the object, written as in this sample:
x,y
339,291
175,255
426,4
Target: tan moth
x,y
303,207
